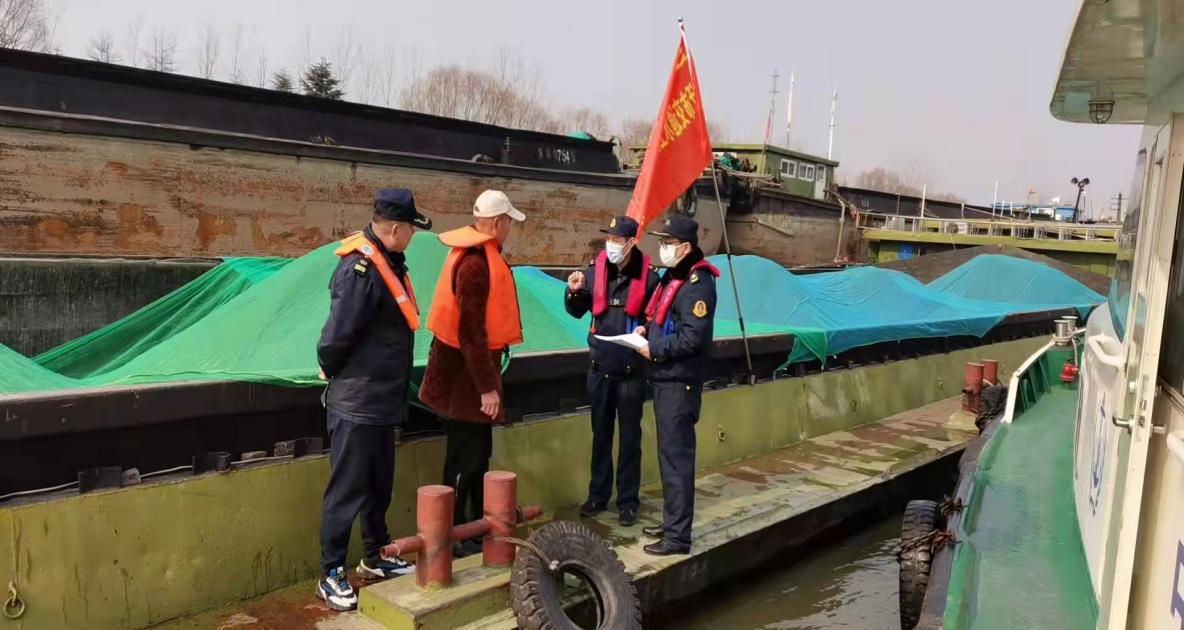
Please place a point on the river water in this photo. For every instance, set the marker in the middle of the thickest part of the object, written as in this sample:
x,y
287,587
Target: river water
x,y
848,583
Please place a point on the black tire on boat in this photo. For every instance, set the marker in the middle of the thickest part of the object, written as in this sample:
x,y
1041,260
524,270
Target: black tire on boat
x,y
921,518
576,549
992,403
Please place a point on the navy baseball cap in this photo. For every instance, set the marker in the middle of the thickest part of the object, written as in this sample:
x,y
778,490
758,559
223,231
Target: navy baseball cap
x,y
621,226
680,227
398,204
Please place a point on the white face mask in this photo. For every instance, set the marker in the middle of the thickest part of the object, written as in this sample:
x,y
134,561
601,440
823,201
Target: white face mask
x,y
615,252
668,254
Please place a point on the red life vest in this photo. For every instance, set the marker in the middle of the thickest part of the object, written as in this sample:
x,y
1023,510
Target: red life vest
x,y
659,306
633,303
405,298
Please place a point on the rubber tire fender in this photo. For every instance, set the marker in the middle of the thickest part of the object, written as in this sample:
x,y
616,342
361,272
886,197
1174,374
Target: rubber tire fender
x,y
920,519
535,590
992,403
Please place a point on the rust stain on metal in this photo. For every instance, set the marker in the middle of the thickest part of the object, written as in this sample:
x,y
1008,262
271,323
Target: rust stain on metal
x,y
744,474
115,196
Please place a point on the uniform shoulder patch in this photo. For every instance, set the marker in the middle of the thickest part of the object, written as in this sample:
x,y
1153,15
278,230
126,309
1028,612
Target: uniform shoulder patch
x,y
361,267
700,309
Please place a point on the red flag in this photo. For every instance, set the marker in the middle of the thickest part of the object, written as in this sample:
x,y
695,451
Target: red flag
x,y
679,148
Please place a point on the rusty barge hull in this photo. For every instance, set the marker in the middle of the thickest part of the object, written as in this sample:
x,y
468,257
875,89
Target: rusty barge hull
x,y
73,184
791,230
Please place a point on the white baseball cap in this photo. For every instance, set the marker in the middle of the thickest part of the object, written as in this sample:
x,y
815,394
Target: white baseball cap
x,y
494,203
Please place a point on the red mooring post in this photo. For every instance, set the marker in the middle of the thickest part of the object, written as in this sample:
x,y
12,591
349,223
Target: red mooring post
x,y
973,388
501,510
991,371
433,520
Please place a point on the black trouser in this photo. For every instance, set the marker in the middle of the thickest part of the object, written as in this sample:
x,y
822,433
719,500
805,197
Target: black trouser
x,y
361,477
466,460
676,409
615,399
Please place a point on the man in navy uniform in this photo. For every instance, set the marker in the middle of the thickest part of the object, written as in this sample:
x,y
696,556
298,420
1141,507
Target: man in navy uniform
x,y
616,288
680,331
365,353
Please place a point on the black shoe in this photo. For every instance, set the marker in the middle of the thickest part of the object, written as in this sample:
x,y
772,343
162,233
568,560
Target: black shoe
x,y
379,568
654,532
666,548
627,516
591,508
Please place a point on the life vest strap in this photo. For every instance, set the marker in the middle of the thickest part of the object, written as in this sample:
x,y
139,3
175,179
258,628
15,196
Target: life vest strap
x,y
404,297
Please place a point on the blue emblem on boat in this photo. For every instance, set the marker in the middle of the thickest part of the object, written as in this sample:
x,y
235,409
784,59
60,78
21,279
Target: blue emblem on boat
x,y
1098,465
1177,598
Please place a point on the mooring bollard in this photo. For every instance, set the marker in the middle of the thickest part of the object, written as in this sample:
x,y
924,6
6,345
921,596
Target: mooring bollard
x,y
501,510
433,520
973,388
434,514
991,371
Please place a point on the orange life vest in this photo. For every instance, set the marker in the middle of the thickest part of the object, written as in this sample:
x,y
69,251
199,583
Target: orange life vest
x,y
405,298
503,322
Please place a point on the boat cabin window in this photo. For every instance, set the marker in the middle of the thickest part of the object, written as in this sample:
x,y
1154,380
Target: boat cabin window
x,y
789,168
1171,358
806,172
1124,265
822,173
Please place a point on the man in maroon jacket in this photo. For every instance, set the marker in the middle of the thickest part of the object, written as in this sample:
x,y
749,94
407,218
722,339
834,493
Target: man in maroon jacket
x,y
475,319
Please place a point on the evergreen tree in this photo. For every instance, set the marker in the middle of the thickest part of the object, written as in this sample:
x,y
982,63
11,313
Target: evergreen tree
x,y
282,82
318,80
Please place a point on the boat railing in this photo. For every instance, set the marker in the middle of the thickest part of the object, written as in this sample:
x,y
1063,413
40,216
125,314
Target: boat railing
x,y
1027,230
1017,377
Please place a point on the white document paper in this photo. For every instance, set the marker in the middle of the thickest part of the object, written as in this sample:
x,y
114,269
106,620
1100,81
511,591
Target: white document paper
x,y
631,340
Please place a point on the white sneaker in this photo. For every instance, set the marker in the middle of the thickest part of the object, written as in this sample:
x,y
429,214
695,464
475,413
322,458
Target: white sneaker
x,y
336,591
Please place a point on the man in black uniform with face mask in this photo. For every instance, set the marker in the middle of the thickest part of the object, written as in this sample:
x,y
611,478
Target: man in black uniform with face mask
x,y
616,288
680,332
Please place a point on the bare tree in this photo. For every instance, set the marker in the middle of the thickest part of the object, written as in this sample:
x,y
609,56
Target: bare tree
x,y
207,52
635,132
476,95
25,25
885,180
370,89
237,56
161,54
345,57
386,79
102,48
134,31
261,70
306,58
587,120
908,181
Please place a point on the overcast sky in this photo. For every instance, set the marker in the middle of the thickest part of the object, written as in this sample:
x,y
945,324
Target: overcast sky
x,y
955,89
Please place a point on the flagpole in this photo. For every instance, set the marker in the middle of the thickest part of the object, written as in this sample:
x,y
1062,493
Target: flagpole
x,y
732,271
723,225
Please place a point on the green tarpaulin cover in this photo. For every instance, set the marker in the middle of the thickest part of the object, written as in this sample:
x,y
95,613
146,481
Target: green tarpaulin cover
x,y
259,319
